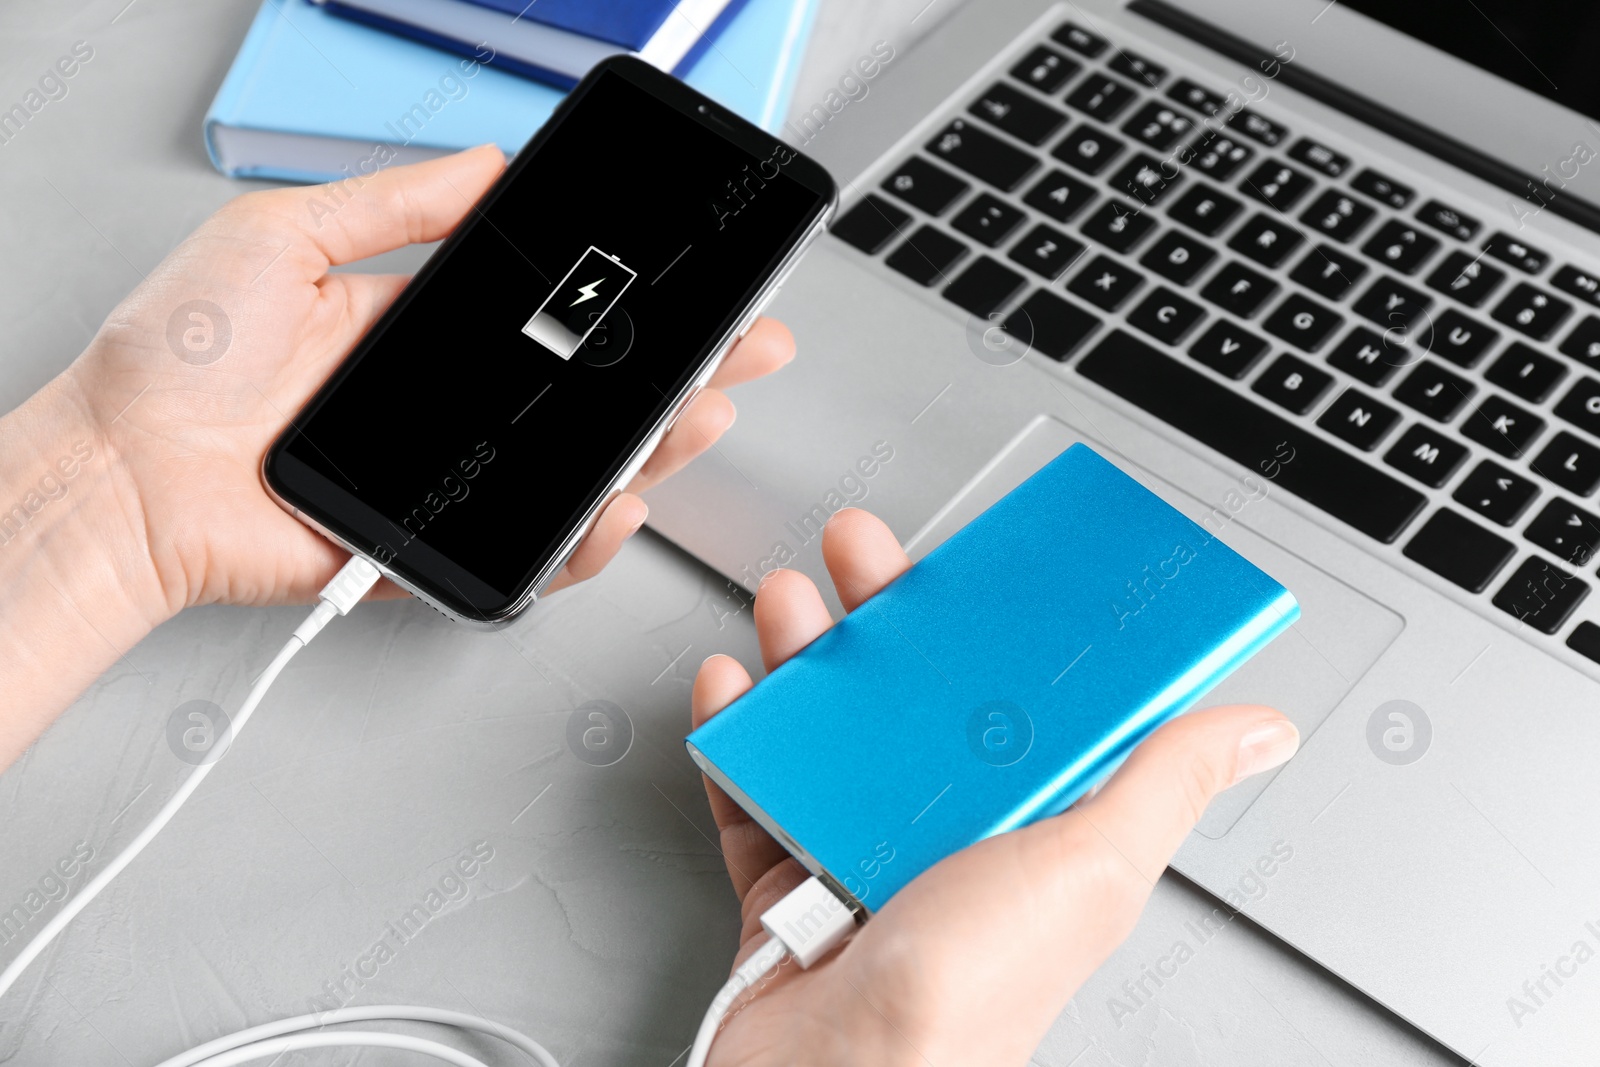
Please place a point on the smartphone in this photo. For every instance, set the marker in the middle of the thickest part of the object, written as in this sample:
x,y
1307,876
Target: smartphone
x,y
473,435
993,683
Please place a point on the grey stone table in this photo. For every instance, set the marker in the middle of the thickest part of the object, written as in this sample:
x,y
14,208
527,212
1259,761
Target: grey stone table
x,y
597,916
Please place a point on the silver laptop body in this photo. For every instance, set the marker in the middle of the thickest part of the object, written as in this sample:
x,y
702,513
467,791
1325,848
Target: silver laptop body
x,y
1412,451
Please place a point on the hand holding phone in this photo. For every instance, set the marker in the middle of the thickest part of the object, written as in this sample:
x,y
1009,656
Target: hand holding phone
x,y
974,960
473,436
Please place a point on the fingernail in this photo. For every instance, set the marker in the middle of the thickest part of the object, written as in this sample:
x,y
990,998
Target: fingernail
x,y
1265,747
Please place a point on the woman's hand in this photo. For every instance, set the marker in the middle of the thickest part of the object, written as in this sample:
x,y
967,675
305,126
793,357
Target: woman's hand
x,y
191,444
973,961
136,472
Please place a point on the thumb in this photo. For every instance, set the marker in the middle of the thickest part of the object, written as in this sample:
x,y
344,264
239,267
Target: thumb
x,y
1150,805
1019,921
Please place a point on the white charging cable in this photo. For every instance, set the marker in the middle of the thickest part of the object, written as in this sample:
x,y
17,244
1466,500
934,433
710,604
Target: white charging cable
x,y
806,924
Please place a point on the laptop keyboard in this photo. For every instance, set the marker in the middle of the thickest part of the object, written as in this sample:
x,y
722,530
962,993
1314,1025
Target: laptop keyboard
x,y
1275,297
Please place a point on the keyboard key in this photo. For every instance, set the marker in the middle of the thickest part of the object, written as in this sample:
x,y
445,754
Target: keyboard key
x,y
1293,383
1571,463
982,155
1229,350
1384,190
1581,406
1584,286
1540,595
1358,419
1496,493
1137,68
1526,372
1216,155
1205,210
1087,149
1239,289
1145,179
1118,226
1448,221
1158,126
871,224
1401,246
1458,549
1080,40
1046,250
1178,257
1018,114
1302,322
984,286
988,219
1337,215
1585,640
1060,195
1535,313
1166,316
1434,391
1509,249
1467,278
1459,339
1328,272
1392,305
1105,283
925,186
1274,184
1266,240
1501,426
926,255
1261,129
1568,533
1101,98
1050,324
1045,69
1583,344
1427,455
1319,157
1369,357
1198,97
1298,459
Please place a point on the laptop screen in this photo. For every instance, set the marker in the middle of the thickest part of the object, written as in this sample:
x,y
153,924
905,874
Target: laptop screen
x,y
1546,46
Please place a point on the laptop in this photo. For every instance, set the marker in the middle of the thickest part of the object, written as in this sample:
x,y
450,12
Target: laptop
x,y
1330,286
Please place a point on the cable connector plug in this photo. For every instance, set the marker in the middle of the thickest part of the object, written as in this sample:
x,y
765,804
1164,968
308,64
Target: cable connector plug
x,y
809,921
342,593
353,581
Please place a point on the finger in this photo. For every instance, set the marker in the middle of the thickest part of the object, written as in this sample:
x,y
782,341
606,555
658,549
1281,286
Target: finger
x,y
790,615
619,521
707,418
749,851
768,346
1152,803
862,555
1075,884
366,215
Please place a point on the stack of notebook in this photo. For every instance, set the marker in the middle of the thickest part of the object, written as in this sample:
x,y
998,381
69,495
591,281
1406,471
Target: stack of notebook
x,y
321,91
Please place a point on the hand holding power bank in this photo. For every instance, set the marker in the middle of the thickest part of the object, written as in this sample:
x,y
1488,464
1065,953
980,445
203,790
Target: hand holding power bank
x,y
993,683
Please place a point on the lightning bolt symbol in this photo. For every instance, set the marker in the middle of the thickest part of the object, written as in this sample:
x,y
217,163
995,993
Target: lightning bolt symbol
x,y
586,292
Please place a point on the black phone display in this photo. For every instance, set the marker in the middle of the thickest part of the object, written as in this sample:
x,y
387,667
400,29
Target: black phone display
x,y
473,433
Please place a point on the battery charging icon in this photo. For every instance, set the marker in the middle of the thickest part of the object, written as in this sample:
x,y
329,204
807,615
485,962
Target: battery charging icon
x,y
582,299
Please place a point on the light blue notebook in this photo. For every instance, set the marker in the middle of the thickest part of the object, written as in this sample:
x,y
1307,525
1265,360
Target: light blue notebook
x,y
310,96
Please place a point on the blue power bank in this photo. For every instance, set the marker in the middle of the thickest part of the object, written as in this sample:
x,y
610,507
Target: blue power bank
x,y
993,683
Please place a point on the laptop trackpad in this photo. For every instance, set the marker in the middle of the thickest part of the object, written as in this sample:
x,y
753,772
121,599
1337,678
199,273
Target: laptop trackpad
x,y
1305,673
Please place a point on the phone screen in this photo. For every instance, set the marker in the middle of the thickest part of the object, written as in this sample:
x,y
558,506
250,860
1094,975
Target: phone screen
x,y
509,385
